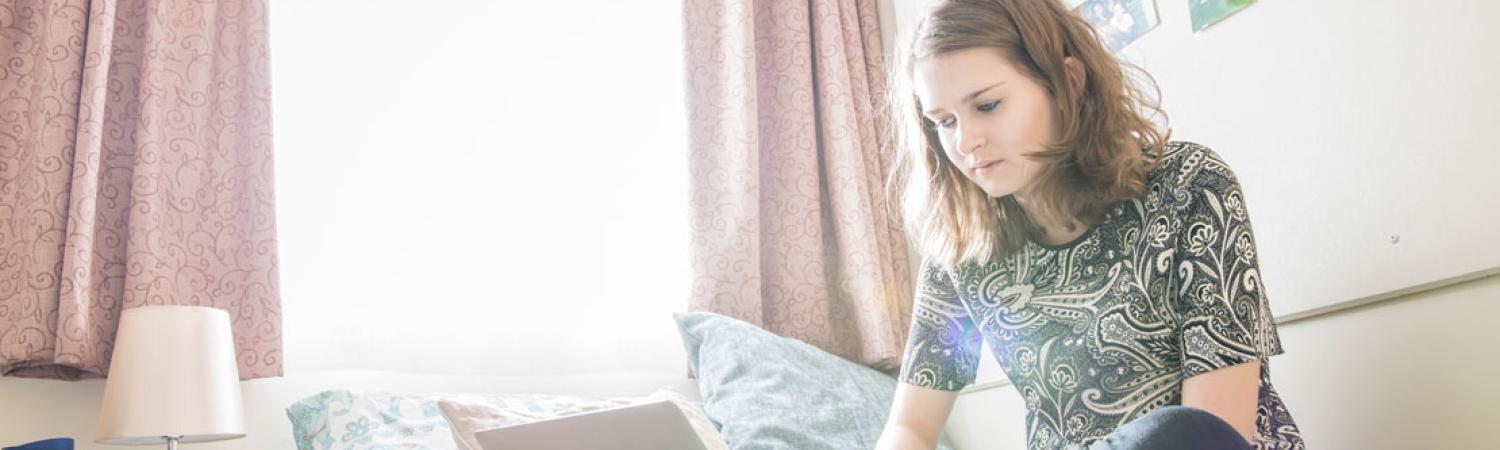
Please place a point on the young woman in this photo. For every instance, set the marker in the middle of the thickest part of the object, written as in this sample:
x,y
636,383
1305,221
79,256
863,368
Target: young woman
x,y
1113,272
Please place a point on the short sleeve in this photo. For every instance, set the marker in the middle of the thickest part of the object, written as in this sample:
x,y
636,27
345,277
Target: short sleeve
x,y
942,349
1221,313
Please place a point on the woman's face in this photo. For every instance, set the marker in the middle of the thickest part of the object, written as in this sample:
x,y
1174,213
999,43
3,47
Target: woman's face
x,y
987,114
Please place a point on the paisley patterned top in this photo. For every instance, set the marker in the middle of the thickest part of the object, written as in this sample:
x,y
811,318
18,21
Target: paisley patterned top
x,y
1099,331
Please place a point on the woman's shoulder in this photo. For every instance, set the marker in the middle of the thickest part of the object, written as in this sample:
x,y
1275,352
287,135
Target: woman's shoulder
x,y
1185,163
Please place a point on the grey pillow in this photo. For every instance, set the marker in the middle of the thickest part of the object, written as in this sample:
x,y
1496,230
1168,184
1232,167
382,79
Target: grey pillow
x,y
769,392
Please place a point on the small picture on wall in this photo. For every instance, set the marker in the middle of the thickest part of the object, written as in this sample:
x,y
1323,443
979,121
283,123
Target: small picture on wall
x,y
1208,12
1119,22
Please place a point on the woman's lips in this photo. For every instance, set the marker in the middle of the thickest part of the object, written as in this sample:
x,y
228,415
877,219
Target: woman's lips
x,y
987,166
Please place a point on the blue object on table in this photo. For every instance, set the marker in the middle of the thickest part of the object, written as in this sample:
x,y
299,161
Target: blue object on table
x,y
45,444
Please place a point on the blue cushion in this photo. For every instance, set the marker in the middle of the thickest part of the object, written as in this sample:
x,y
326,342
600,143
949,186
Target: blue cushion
x,y
48,444
767,391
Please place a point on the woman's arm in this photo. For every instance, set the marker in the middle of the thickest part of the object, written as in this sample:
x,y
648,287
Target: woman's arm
x,y
1222,316
917,418
1231,393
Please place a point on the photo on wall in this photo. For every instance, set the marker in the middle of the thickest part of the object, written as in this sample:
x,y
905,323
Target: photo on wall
x,y
1208,12
1120,22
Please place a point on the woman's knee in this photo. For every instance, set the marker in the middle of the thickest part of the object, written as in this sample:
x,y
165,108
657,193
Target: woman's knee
x,y
1184,415
1194,419
1174,426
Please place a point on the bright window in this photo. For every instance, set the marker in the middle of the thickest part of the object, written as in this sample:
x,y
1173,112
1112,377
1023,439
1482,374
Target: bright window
x,y
480,186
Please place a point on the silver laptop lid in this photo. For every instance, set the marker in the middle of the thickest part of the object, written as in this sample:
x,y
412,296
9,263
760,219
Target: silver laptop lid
x,y
648,426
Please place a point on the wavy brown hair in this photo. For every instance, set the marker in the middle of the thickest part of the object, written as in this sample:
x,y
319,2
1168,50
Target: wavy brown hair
x,y
1102,148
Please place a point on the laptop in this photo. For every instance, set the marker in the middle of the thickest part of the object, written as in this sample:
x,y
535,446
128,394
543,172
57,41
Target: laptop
x,y
647,426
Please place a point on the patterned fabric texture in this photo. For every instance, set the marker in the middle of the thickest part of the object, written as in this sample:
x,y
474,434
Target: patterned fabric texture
x,y
789,226
1099,331
341,419
135,169
349,420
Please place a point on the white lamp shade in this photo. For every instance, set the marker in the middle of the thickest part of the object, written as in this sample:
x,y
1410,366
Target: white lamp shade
x,y
173,374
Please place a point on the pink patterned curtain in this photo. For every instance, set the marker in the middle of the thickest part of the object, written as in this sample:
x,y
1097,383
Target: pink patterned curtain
x,y
791,229
135,169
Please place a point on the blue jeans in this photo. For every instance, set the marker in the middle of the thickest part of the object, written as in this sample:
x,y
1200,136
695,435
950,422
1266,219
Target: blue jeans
x,y
1173,427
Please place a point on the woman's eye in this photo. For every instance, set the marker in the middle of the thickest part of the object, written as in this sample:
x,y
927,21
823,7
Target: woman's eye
x,y
987,107
943,123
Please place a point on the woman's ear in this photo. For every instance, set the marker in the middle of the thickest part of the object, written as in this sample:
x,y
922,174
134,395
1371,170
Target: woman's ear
x,y
1077,76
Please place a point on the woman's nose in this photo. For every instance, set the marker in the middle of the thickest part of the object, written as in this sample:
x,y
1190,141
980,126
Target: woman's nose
x,y
970,138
